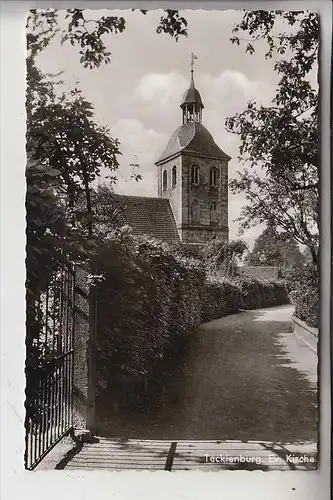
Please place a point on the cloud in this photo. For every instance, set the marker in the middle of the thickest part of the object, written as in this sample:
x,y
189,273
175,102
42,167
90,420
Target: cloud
x,y
225,95
156,101
145,187
158,97
232,90
162,89
228,92
139,96
136,139
236,202
141,146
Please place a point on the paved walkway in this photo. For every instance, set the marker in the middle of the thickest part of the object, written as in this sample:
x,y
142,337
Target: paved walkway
x,y
247,376
193,455
247,384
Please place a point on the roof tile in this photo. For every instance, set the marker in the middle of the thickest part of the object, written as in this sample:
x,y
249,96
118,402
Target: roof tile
x,y
149,216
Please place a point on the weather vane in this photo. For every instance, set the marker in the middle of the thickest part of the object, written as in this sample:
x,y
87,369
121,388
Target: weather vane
x,y
193,58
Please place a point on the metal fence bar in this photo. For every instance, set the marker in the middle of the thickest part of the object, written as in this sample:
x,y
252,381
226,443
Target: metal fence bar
x,y
48,410
40,441
49,367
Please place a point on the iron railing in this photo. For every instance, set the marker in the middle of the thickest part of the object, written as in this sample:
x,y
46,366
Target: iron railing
x,y
49,365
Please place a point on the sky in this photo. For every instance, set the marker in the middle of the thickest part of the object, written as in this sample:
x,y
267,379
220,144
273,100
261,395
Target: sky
x,y
138,94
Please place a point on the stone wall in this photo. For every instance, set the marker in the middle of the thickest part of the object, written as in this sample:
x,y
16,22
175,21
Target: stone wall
x,y
84,379
174,194
200,235
308,334
184,194
204,230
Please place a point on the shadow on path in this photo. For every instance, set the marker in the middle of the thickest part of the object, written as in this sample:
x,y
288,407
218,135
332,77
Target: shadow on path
x,y
236,382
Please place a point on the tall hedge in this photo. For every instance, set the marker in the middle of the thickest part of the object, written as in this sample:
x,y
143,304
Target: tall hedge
x,y
220,297
304,292
263,293
149,299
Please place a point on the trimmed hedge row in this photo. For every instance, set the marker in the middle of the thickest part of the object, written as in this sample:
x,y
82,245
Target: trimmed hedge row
x,y
220,298
304,293
255,293
150,300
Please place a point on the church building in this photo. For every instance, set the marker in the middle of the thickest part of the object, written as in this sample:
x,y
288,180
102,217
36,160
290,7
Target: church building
x,y
192,173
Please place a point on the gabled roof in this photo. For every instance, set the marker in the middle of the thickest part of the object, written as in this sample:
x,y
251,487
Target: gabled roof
x,y
192,137
149,216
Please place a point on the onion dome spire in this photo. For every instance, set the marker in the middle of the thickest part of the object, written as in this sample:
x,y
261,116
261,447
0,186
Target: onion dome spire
x,y
191,104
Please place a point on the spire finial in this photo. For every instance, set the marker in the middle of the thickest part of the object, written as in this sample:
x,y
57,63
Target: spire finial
x,y
193,58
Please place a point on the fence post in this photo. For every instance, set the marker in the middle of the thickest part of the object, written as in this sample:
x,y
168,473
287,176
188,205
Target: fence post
x,y
84,345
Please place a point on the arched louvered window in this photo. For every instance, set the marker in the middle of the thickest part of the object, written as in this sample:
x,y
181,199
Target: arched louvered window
x,y
195,175
213,177
165,180
195,215
174,176
213,212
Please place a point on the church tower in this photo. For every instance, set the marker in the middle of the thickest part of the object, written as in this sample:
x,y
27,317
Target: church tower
x,y
193,175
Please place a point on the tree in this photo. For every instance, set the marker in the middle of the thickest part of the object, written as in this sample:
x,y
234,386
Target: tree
x,y
68,136
61,134
280,143
275,249
89,34
66,150
221,257
46,225
307,256
107,212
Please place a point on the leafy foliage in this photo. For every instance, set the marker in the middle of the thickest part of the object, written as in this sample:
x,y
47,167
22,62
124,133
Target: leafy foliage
x,y
221,257
67,220
46,226
66,144
89,35
108,213
261,293
274,249
189,251
172,24
137,311
305,294
62,134
307,257
150,300
66,151
221,296
282,140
